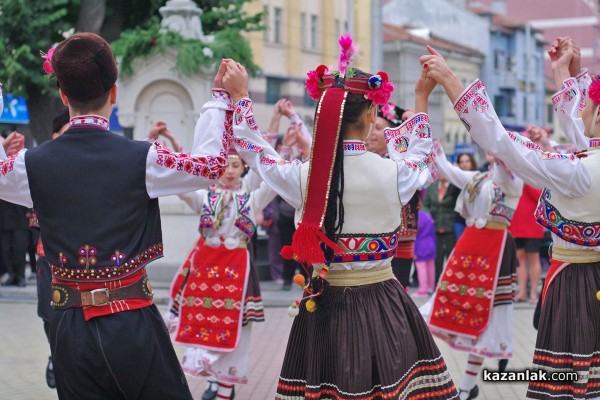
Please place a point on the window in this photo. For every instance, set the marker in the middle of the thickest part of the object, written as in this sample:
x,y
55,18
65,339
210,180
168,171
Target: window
x,y
303,30
277,25
308,101
273,90
266,24
549,114
499,105
313,31
499,59
510,106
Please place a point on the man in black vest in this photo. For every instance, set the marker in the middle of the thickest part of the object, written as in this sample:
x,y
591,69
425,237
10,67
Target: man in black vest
x,y
96,198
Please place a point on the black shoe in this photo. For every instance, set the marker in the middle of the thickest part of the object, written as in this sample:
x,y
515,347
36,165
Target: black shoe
x,y
209,393
12,281
50,374
473,393
21,282
287,286
502,364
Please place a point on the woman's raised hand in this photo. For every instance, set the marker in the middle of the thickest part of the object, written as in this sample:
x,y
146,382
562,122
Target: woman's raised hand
x,y
235,80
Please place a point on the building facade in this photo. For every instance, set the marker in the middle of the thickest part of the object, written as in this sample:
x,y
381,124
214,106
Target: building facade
x,y
299,36
402,49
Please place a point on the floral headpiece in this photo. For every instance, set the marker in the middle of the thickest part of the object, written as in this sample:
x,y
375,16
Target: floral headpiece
x,y
594,90
47,65
391,112
376,88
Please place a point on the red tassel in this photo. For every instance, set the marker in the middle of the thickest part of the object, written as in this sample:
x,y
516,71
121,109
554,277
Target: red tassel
x,y
287,252
306,244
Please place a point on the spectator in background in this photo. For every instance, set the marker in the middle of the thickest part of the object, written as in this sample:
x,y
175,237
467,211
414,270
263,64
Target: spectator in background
x,y
440,203
425,252
297,134
466,162
527,233
14,238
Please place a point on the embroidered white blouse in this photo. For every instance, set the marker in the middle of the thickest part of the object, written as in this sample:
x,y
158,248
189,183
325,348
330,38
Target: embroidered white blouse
x,y
161,179
374,188
569,205
488,196
240,205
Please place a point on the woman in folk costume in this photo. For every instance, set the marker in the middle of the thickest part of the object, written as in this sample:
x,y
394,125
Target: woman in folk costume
x,y
357,333
569,327
473,304
390,116
216,293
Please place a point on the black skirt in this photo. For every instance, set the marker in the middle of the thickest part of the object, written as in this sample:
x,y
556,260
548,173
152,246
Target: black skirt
x,y
568,337
373,343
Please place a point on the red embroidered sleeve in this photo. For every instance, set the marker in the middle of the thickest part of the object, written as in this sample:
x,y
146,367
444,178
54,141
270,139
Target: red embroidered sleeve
x,y
210,167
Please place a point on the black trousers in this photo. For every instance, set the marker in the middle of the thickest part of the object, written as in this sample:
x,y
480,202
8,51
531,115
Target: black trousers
x,y
127,355
14,247
444,245
401,268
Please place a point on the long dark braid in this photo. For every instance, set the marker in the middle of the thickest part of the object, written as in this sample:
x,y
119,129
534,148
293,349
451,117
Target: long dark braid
x,y
334,216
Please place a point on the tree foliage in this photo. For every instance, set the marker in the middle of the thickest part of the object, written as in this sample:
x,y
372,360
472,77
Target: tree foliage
x,y
225,19
26,28
29,27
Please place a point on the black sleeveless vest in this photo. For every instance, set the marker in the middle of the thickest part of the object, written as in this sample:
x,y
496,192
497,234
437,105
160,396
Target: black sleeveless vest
x,y
96,219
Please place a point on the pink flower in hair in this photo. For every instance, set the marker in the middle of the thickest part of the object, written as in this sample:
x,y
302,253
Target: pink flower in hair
x,y
347,52
47,65
389,111
314,82
380,88
594,90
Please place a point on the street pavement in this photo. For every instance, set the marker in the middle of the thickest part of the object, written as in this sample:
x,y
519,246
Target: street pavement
x,y
25,350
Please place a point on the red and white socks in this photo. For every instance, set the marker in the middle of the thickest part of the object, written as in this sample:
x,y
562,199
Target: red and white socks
x,y
474,364
225,391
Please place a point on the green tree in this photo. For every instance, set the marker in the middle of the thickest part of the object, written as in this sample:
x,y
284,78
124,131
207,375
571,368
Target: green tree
x,y
28,27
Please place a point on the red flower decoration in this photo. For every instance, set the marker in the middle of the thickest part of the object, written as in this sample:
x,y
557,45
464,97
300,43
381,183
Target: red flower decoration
x,y
47,65
314,82
594,90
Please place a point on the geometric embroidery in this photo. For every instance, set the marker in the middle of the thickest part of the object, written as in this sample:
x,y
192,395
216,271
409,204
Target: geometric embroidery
x,y
581,233
216,284
464,300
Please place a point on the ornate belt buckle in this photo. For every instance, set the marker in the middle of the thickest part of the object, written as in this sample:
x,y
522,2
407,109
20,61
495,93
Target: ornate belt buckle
x,y
103,300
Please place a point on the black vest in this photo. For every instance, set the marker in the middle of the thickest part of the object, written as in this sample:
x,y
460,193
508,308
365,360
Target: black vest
x,y
96,219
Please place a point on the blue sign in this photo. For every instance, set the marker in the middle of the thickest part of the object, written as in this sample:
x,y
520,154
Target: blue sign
x,y
15,110
115,127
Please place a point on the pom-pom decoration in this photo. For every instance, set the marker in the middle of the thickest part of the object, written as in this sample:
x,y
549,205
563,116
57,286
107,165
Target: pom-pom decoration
x,y
311,305
287,252
47,65
299,280
380,88
594,90
293,310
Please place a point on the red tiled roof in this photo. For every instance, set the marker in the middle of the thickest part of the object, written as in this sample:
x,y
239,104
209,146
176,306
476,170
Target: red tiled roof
x,y
393,33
